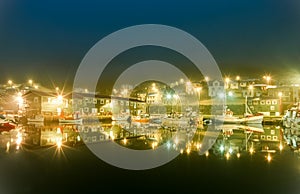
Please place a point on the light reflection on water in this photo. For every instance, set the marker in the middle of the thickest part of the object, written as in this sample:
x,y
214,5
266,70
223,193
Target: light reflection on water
x,y
233,142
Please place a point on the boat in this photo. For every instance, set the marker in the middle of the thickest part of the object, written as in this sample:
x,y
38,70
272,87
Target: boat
x,y
36,118
6,125
292,118
140,118
71,120
248,118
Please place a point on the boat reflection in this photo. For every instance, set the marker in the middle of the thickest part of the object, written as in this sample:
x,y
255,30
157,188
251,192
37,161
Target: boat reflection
x,y
231,140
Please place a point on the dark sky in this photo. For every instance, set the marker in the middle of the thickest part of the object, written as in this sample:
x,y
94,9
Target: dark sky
x,y
46,40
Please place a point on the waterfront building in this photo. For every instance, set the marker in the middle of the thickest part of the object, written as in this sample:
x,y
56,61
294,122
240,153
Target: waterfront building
x,y
104,105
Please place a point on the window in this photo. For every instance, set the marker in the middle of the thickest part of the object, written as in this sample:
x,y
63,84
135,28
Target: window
x,y
86,109
101,101
272,108
35,99
268,102
274,101
272,132
94,110
262,102
275,138
94,101
263,137
255,102
268,137
101,110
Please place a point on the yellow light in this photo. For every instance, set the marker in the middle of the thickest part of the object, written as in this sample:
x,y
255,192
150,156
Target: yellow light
x,y
198,145
251,150
59,144
188,150
238,155
153,145
269,158
181,151
7,146
111,133
9,82
227,155
206,153
280,147
30,81
125,141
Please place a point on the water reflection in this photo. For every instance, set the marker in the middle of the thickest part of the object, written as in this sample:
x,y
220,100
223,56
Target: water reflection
x,y
233,141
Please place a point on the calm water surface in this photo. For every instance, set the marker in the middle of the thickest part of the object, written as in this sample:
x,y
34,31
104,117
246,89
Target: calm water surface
x,y
49,158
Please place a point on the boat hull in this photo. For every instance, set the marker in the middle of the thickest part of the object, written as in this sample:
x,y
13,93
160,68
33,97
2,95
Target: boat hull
x,y
237,120
70,121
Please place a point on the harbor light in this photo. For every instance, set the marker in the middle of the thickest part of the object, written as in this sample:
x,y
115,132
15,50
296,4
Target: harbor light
x,y
269,158
222,148
251,150
227,155
206,153
188,150
238,155
10,82
280,147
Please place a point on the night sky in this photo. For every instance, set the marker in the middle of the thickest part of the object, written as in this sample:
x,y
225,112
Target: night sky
x,y
46,40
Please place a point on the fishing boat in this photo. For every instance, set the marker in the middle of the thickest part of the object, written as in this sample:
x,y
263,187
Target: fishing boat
x,y
140,118
6,125
247,118
292,118
74,119
67,120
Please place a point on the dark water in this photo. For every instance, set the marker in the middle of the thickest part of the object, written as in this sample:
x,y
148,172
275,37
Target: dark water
x,y
54,159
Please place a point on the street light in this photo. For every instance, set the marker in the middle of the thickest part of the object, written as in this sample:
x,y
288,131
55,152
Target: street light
x,y
30,82
267,78
10,82
227,82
